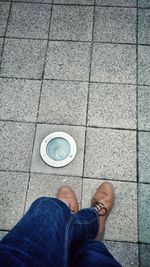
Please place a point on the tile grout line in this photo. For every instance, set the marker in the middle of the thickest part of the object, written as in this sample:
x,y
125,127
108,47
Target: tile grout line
x,y
75,81
2,52
137,154
44,65
91,53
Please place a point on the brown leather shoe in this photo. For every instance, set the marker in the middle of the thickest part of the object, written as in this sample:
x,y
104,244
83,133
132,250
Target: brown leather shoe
x,y
67,195
102,201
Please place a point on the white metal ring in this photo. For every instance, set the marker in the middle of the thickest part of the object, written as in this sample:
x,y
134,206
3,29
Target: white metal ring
x,y
59,163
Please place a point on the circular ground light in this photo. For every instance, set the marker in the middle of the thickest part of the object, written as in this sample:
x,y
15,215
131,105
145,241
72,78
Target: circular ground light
x,y
58,149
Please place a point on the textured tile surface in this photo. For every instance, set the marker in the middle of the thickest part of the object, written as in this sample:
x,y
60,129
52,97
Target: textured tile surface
x,y
16,140
114,63
117,2
112,105
125,207
144,157
75,167
115,25
144,107
2,234
68,60
72,2
23,58
13,187
63,102
1,43
120,250
34,1
72,23
4,11
29,20
47,185
143,3
144,255
110,154
144,26
144,212
144,65
19,99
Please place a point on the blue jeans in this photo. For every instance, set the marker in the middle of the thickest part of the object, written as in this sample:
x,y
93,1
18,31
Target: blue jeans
x,y
49,235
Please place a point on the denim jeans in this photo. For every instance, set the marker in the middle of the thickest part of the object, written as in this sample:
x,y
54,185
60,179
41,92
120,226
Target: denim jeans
x,y
49,235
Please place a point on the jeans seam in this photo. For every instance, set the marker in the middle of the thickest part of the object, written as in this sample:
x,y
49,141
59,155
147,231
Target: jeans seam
x,y
66,241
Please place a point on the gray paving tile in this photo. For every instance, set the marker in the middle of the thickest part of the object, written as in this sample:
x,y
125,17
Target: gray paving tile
x,y
120,250
4,11
16,142
144,212
23,58
2,234
72,23
113,24
143,3
29,20
72,2
34,1
1,44
110,154
144,108
19,99
116,2
144,157
144,26
63,102
144,255
122,221
75,167
112,105
13,188
47,185
144,65
68,60
114,63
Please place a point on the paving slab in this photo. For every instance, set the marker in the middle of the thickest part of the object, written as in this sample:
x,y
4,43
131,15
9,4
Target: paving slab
x,y
75,167
144,157
19,99
144,212
29,20
68,61
113,63
63,102
144,65
16,141
34,1
116,2
112,105
122,221
4,11
12,197
113,24
2,234
72,2
47,185
125,253
110,154
144,107
144,255
144,26
1,44
23,58
143,3
72,23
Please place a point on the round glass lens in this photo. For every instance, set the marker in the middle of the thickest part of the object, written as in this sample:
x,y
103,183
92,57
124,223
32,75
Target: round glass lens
x,y
58,149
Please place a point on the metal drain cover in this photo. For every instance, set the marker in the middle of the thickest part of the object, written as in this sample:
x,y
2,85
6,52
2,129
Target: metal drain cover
x,y
58,149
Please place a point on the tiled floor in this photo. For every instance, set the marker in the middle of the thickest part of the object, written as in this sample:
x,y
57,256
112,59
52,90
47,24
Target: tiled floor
x,y
83,67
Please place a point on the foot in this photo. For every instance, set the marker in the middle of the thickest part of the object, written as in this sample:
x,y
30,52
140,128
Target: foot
x,y
102,202
67,195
